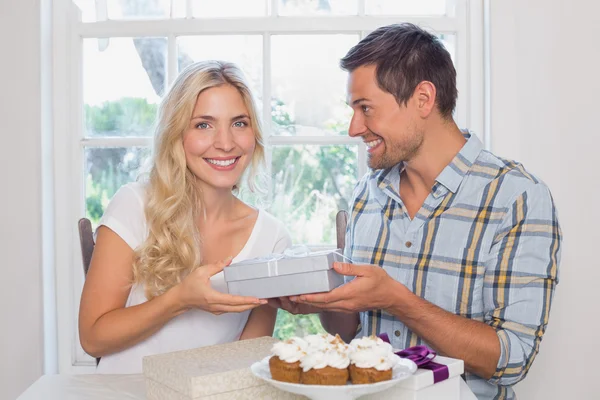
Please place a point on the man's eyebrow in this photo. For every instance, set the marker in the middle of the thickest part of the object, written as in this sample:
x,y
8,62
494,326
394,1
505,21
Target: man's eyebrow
x,y
355,102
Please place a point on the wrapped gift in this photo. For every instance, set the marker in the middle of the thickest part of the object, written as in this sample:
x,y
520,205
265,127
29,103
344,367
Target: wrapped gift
x,y
215,372
423,385
292,273
438,378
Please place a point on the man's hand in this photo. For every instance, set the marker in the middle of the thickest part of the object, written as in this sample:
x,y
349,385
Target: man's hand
x,y
369,290
293,308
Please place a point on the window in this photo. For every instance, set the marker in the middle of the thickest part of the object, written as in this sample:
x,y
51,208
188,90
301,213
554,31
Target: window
x,y
114,59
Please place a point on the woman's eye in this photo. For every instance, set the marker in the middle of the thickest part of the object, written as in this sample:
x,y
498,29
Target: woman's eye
x,y
202,125
365,108
240,124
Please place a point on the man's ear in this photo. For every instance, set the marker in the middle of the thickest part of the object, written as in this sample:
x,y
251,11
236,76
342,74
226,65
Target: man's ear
x,y
424,97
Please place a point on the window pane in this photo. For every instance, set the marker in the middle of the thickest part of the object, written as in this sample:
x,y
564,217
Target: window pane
x,y
309,88
449,42
317,7
122,81
310,184
106,170
409,7
243,50
138,9
288,325
228,8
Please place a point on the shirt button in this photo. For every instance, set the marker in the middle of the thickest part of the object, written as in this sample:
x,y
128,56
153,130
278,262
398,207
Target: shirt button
x,y
397,333
408,244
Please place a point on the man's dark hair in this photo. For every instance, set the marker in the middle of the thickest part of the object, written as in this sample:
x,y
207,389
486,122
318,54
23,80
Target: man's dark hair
x,y
404,56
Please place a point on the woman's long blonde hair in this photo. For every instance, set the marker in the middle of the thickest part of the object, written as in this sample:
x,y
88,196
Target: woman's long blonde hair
x,y
173,200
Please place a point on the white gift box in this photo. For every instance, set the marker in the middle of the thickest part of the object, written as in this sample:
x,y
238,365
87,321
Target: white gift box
x,y
220,372
284,275
420,386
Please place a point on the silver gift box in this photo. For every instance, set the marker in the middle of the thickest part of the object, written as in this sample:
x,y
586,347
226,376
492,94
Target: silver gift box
x,y
285,275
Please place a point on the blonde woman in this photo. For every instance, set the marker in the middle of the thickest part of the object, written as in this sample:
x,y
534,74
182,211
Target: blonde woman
x,y
155,282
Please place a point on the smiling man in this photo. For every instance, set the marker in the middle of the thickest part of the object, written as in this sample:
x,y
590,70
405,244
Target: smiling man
x,y
453,247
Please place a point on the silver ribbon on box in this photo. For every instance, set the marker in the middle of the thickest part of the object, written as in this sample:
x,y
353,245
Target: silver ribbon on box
x,y
297,251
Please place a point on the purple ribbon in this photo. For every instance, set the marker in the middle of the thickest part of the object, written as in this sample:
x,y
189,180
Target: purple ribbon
x,y
422,356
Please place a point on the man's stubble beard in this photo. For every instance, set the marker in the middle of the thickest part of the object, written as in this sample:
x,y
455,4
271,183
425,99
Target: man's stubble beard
x,y
395,153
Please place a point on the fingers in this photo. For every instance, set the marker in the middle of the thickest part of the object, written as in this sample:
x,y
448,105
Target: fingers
x,y
233,300
350,269
337,294
221,308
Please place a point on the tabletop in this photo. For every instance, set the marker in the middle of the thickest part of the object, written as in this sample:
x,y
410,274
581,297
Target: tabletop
x,y
111,387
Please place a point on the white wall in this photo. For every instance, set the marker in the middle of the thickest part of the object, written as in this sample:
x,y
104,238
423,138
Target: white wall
x,y
21,349
545,110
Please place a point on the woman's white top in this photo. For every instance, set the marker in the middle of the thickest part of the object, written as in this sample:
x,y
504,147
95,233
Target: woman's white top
x,y
195,328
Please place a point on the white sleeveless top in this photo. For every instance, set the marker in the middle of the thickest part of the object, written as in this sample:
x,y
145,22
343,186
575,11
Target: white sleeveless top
x,y
195,328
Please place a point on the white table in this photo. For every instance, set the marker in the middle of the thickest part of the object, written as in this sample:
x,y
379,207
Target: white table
x,y
111,387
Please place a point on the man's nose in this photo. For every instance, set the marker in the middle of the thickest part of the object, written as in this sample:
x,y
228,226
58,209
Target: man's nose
x,y
357,125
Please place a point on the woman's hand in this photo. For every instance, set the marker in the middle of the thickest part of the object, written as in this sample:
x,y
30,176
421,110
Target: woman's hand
x,y
195,291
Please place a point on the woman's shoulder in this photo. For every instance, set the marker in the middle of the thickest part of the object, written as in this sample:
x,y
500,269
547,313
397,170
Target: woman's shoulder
x,y
270,221
125,216
275,228
134,189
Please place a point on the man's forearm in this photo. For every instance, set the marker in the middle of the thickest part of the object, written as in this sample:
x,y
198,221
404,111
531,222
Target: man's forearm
x,y
344,324
472,341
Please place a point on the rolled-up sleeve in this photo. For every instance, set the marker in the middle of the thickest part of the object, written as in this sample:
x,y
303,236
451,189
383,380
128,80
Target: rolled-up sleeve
x,y
521,276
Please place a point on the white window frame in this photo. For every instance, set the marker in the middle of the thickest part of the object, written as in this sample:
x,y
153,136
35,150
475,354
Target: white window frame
x,y
67,114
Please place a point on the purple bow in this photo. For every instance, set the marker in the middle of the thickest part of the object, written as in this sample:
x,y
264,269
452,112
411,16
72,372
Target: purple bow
x,y
422,356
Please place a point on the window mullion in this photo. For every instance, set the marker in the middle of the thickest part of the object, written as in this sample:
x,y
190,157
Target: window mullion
x,y
189,12
116,142
274,8
172,67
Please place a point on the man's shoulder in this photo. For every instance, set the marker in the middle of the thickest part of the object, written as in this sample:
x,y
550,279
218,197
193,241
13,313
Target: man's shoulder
x,y
509,176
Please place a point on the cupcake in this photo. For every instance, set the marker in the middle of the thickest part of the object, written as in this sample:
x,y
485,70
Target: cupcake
x,y
371,360
326,362
285,362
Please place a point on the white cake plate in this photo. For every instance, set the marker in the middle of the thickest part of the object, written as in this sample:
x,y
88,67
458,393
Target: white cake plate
x,y
347,392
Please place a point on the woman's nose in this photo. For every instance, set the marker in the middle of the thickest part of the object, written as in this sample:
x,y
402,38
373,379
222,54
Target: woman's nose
x,y
224,140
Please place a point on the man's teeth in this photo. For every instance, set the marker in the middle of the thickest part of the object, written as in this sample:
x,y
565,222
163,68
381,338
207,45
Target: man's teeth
x,y
373,143
222,163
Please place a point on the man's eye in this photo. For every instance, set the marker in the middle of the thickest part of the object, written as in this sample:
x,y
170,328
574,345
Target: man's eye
x,y
202,125
240,124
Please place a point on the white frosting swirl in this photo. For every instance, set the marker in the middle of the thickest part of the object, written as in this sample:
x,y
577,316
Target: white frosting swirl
x,y
291,350
321,359
372,352
319,342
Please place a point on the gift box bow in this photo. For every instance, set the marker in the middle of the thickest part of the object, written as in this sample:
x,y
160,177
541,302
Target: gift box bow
x,y
422,356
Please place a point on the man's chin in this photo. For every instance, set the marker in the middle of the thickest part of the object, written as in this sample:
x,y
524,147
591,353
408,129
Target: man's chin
x,y
378,163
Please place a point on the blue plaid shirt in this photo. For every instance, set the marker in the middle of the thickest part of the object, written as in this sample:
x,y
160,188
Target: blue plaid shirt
x,y
485,245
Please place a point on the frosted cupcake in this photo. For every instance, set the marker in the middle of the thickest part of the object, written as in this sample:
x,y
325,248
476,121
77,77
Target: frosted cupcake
x,y
326,362
371,360
285,362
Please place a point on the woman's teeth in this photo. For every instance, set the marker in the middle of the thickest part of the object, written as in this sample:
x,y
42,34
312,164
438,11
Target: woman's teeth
x,y
221,163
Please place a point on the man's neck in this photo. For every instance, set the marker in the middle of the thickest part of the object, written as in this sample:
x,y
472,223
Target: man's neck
x,y
441,144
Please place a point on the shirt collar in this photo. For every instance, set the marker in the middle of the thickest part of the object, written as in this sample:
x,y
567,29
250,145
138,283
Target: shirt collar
x,y
448,180
452,176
